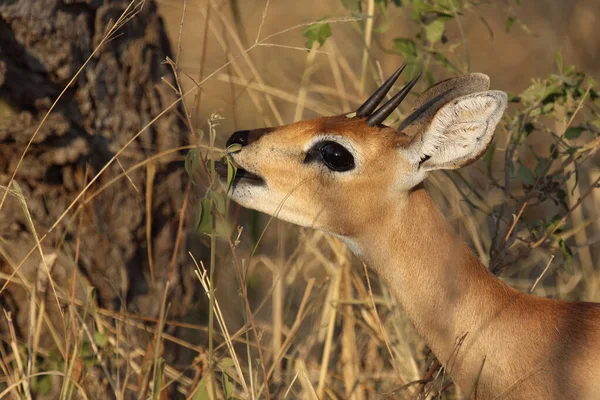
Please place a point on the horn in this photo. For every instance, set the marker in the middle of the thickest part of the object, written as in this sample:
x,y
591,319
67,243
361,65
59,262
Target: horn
x,y
385,110
373,101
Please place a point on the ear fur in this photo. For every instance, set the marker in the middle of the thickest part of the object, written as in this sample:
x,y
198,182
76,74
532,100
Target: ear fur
x,y
432,99
459,132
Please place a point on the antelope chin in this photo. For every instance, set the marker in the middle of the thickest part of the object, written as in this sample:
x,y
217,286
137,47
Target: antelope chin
x,y
246,189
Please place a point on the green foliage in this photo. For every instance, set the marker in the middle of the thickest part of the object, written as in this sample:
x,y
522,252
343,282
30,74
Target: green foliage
x,y
202,392
574,132
41,385
226,362
430,46
192,162
100,339
317,32
214,200
227,386
548,109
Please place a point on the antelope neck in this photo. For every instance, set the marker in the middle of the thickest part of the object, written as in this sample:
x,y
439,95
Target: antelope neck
x,y
440,283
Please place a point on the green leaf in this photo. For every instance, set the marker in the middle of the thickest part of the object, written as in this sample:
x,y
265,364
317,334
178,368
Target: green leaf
x,y
226,362
199,134
525,175
42,385
420,7
556,219
561,195
558,59
204,222
574,132
541,166
227,387
529,127
352,5
219,202
509,23
554,153
406,47
158,379
202,392
192,160
317,32
488,26
100,339
382,27
231,172
234,148
567,254
435,30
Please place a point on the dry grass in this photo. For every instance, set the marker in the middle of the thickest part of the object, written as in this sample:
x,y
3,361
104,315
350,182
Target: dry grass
x,y
297,316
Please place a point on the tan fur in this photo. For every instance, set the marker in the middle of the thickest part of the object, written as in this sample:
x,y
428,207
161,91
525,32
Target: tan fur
x,y
534,348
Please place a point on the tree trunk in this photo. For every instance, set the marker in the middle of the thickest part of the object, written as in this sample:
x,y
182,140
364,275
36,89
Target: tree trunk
x,y
42,45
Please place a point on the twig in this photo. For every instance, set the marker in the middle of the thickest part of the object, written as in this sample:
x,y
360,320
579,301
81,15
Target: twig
x,y
564,218
262,21
542,274
180,32
512,226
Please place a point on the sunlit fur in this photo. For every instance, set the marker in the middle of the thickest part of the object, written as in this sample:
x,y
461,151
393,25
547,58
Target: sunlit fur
x,y
310,194
533,348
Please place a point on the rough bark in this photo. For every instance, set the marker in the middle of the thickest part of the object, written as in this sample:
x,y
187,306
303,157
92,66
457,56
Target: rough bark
x,y
42,45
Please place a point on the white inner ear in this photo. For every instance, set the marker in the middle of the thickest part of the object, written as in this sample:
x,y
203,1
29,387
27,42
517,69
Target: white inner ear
x,y
459,132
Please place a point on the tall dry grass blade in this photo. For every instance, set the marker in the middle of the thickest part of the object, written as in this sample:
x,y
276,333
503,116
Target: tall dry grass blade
x,y
308,69
339,83
336,283
25,209
164,310
278,302
198,98
150,173
262,21
318,107
202,275
80,388
350,357
24,382
35,329
300,367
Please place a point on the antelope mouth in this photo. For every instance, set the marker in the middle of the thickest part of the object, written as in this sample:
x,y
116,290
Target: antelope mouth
x,y
241,175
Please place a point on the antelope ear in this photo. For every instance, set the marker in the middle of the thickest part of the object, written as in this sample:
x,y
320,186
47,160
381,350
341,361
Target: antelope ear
x,y
459,132
440,94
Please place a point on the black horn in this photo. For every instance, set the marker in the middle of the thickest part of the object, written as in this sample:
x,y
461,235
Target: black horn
x,y
382,113
373,101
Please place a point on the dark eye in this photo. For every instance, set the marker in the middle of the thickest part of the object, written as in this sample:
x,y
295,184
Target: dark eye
x,y
336,157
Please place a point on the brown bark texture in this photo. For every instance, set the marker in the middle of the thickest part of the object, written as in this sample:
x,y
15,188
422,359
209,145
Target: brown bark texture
x,y
42,45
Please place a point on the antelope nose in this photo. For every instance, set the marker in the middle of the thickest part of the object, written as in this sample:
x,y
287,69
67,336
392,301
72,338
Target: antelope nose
x,y
239,137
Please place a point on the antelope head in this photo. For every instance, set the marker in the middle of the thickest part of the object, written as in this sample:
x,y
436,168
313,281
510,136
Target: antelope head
x,y
342,173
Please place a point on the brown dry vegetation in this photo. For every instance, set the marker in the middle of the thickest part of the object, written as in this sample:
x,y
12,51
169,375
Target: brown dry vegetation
x,y
111,298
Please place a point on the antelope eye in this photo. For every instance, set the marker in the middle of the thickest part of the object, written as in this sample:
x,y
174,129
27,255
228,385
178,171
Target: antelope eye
x,y
336,157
